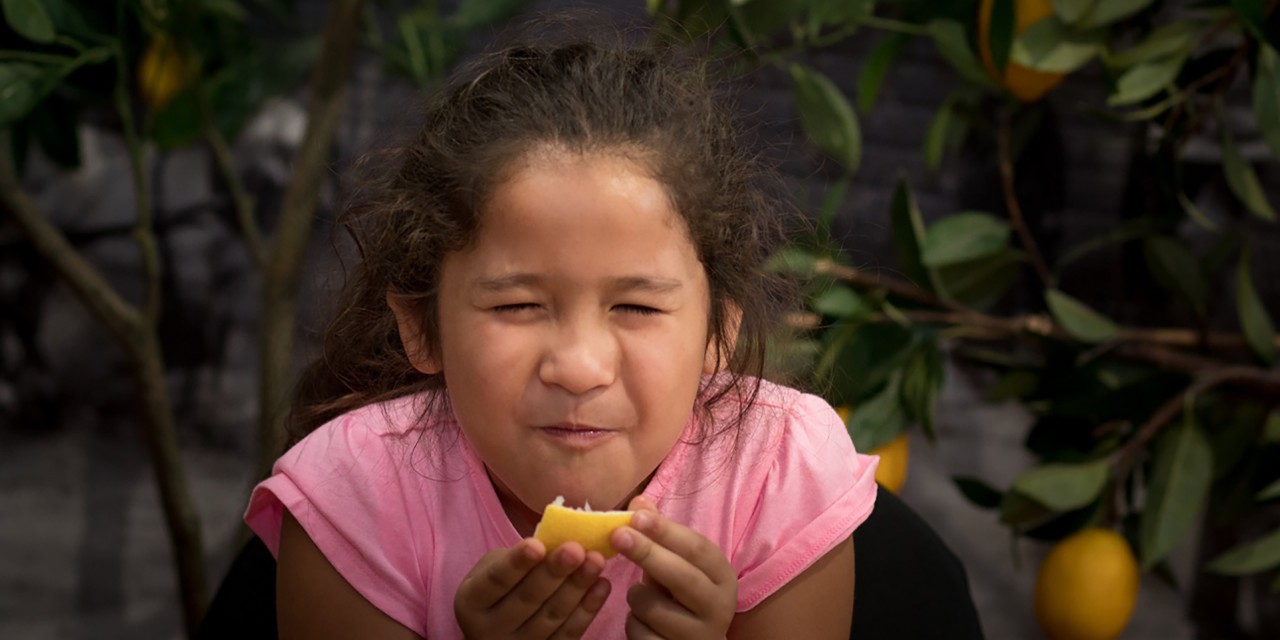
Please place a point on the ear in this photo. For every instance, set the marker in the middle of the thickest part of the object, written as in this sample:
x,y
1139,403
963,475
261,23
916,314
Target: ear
x,y
719,352
412,337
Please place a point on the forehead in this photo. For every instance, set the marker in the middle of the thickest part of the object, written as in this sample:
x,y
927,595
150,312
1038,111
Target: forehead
x,y
582,214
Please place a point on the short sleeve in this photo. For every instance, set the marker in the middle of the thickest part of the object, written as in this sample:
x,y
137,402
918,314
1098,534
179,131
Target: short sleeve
x,y
341,484
816,492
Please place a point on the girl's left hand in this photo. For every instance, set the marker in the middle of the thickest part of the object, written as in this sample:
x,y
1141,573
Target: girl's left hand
x,y
689,588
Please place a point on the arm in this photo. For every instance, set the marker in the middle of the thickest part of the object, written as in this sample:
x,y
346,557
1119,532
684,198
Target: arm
x,y
816,604
314,601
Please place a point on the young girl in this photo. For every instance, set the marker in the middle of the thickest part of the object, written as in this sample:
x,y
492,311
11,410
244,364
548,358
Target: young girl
x,y
561,293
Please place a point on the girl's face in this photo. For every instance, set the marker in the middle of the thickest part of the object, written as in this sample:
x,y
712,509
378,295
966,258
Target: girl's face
x,y
574,332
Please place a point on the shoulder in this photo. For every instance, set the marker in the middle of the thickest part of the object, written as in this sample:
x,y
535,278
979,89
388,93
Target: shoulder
x,y
781,417
392,428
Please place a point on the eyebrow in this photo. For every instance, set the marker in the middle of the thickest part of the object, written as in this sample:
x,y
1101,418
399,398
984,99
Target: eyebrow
x,y
621,283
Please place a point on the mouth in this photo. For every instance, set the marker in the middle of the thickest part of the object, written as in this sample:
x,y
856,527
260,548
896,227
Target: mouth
x,y
577,436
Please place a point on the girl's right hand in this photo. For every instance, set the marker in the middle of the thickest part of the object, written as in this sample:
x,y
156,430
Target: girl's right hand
x,y
519,592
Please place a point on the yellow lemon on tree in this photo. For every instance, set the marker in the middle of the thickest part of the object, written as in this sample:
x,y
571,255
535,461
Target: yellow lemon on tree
x,y
165,69
1025,83
892,472
1087,587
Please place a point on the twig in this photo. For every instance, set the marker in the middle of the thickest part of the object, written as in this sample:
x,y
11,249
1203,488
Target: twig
x,y
997,328
122,318
240,198
1015,210
1223,75
143,233
902,289
1124,459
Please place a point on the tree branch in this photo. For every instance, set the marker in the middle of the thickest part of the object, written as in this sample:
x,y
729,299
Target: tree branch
x,y
1128,454
240,198
120,317
1015,209
143,233
284,262
1155,346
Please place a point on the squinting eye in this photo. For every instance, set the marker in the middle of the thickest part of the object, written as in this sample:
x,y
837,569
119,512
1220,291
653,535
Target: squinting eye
x,y
512,308
638,309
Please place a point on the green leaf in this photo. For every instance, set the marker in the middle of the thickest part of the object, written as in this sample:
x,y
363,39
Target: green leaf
x,y
908,235
1171,40
794,261
1177,490
1253,14
978,492
1266,97
178,124
962,237
30,20
1001,32
935,140
1195,213
1052,46
1105,12
827,117
1251,557
1254,321
950,38
1146,79
874,69
1270,491
1078,319
1243,181
1177,270
1063,487
879,419
478,13
837,12
840,302
921,383
1073,11
872,355
982,282
831,205
1271,428
1018,510
22,87
1134,230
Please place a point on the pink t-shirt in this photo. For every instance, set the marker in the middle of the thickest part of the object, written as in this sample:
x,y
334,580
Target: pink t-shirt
x,y
403,524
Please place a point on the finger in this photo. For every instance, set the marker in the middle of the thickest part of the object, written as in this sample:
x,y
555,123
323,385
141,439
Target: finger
x,y
686,543
560,605
498,572
642,503
527,597
655,608
687,584
591,604
637,630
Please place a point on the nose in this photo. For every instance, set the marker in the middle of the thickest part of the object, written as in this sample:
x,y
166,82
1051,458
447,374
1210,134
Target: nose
x,y
580,357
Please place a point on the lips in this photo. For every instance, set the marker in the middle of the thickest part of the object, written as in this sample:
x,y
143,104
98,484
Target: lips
x,y
576,435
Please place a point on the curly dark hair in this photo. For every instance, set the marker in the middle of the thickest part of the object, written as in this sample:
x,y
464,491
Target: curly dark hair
x,y
658,103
